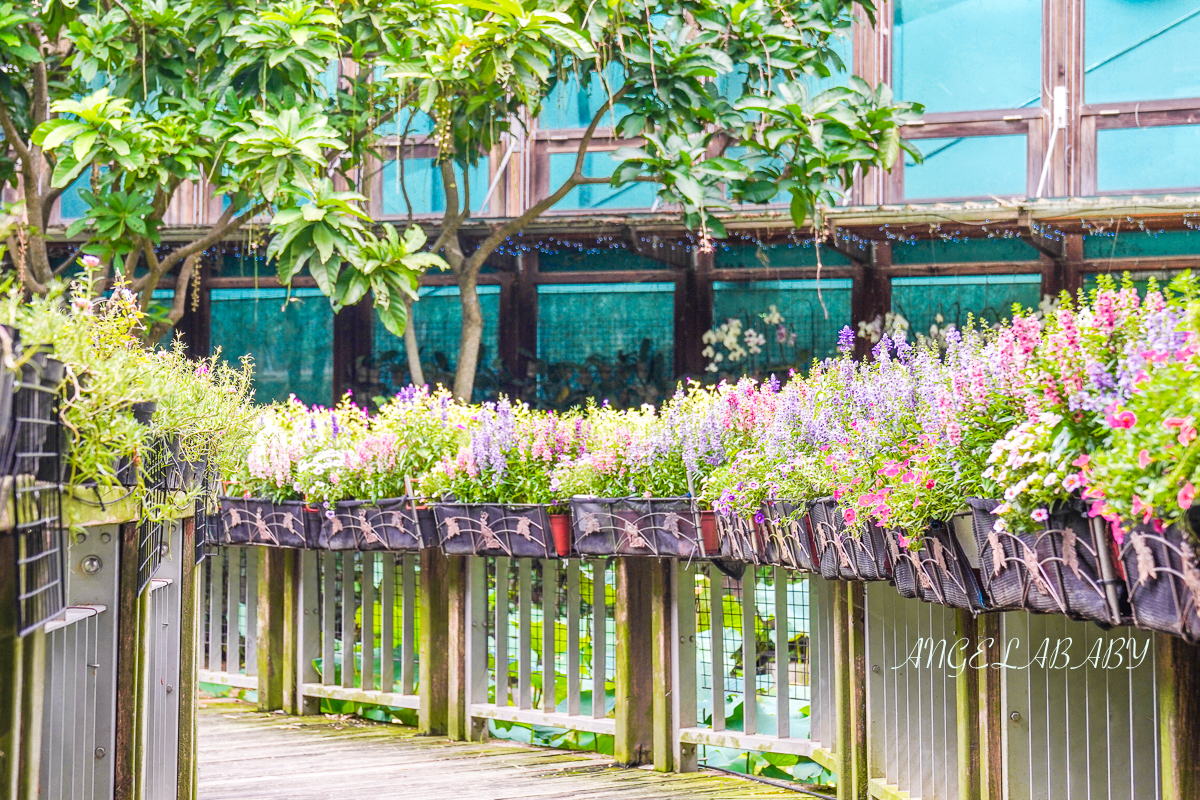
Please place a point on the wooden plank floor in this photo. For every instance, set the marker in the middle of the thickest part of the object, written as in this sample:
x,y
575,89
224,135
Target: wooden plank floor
x,y
245,755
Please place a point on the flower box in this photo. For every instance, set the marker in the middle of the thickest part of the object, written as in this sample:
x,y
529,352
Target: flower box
x,y
842,555
798,533
938,572
1055,570
392,524
740,539
633,526
1162,577
485,529
252,520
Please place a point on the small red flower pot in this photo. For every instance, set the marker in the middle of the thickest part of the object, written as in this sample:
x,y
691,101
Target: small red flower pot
x,y
708,532
560,529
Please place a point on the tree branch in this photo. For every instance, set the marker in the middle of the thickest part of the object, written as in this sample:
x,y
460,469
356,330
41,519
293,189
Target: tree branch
x,y
11,137
226,223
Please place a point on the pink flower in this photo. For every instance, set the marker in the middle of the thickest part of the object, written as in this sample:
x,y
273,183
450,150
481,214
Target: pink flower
x,y
850,515
90,261
1082,461
867,500
891,470
1144,459
1142,509
1123,419
1040,515
202,369
1186,495
1072,482
907,477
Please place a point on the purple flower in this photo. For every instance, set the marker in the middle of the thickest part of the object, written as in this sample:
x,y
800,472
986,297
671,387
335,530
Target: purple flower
x,y
760,518
845,340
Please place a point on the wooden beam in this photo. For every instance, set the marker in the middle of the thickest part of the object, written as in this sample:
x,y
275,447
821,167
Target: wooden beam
x,y
275,578
1178,666
991,721
438,581
633,743
352,342
853,247
519,324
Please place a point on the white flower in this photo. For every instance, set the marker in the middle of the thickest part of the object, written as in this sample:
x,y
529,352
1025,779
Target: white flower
x,y
707,352
772,317
1050,480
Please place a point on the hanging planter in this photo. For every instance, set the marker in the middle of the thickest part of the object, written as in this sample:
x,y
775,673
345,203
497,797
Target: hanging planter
x,y
1162,577
739,539
485,529
939,572
797,533
1067,568
840,554
629,526
252,520
391,524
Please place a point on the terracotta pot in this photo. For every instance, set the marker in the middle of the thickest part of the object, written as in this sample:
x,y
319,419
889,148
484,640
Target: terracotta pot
x,y
560,529
708,532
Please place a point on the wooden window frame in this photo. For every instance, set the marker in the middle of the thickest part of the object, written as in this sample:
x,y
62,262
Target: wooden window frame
x,y
1014,122
1124,116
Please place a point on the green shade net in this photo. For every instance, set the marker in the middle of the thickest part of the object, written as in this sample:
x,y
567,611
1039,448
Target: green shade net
x,y
292,347
611,342
1138,244
792,342
437,320
988,297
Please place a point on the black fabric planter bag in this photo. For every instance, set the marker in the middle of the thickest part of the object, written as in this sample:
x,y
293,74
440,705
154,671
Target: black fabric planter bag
x,y
1162,576
792,517
388,524
739,540
842,555
1053,571
631,526
483,529
252,520
938,572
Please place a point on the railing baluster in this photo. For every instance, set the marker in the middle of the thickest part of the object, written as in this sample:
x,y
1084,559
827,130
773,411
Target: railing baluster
x,y
573,607
408,664
683,659
749,654
387,610
251,583
783,725
716,628
368,620
524,639
599,640
233,599
328,616
309,636
216,606
501,631
549,624
348,637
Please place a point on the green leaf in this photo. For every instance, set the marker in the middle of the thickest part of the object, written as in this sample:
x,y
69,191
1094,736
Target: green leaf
x,y
394,317
323,239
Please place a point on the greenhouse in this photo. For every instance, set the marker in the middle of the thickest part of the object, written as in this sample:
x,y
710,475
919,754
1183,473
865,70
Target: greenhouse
x,y
551,400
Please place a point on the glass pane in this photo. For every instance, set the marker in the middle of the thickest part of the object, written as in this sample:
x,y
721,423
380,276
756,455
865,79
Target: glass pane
x,y
606,321
965,55
598,195
423,182
927,302
1140,50
1148,158
437,320
570,106
796,330
292,347
70,204
976,166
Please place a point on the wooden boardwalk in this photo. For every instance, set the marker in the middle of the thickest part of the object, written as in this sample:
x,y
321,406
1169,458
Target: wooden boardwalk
x,y
245,755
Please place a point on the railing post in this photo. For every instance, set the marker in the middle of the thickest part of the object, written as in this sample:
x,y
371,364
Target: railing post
x,y
189,630
856,619
130,675
274,581
661,606
433,624
308,633
683,662
967,705
1178,666
991,706
633,743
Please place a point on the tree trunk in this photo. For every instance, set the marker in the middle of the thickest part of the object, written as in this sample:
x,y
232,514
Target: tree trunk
x,y
415,373
470,338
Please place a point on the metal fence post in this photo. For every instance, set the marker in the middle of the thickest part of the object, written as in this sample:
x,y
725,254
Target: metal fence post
x,y
433,626
633,743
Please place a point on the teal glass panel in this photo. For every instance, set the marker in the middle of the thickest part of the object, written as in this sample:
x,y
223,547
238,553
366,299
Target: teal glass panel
x,y
986,297
571,106
1140,50
328,79
160,303
437,320
967,55
971,167
1136,244
1148,158
292,347
792,254
586,261
938,251
605,320
70,204
423,184
599,195
803,334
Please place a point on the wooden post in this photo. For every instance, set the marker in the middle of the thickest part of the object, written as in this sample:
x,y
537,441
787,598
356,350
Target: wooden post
x,y
274,579
308,633
33,668
870,293
856,640
967,698
1178,667
129,648
662,588
433,622
189,600
195,327
633,743
843,698
991,708
292,696
693,313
